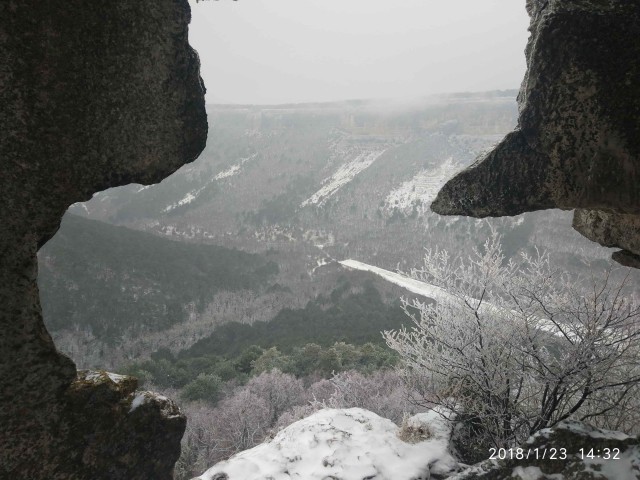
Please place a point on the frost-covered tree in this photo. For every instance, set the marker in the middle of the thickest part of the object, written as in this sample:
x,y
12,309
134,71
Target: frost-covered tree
x,y
382,392
517,346
242,421
280,391
202,445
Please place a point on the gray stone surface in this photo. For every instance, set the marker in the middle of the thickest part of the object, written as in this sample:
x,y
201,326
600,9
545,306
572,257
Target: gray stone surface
x,y
577,144
554,453
92,95
609,229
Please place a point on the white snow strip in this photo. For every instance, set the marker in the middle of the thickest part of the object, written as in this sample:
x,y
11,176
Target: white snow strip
x,y
140,399
188,198
343,176
345,444
411,284
423,187
234,169
95,376
436,293
191,196
115,378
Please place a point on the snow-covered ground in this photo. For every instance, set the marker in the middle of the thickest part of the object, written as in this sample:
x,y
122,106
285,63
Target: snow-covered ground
x,y
344,444
441,295
411,284
345,173
422,188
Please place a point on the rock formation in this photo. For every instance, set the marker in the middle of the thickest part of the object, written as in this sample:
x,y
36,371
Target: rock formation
x,y
570,450
92,95
577,144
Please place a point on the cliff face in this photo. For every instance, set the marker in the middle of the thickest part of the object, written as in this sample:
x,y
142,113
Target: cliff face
x,y
92,96
577,144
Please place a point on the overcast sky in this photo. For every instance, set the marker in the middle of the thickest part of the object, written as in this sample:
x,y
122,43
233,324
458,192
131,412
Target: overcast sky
x,y
282,51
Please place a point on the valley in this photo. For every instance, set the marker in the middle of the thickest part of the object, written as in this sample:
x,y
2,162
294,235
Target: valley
x,y
275,261
299,187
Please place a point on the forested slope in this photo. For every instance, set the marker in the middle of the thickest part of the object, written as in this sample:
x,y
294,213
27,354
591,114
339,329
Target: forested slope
x,y
113,280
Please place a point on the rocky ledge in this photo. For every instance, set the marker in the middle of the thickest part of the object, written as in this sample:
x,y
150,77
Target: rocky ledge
x,y
119,430
570,450
577,144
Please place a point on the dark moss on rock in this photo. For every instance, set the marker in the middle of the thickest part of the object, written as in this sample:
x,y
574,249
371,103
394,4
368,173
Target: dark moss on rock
x,y
92,96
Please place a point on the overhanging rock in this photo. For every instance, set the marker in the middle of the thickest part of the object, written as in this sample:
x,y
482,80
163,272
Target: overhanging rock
x,y
577,144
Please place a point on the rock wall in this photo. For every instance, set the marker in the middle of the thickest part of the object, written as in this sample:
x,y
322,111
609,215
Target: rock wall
x,y
92,95
577,144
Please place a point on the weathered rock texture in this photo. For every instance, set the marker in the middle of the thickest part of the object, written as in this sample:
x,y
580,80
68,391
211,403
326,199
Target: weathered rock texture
x,y
554,453
92,95
577,144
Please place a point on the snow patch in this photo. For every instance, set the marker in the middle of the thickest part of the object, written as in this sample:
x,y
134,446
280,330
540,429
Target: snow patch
x,y
422,188
192,195
188,198
346,444
438,421
234,169
320,263
411,284
534,473
625,467
140,399
345,174
115,378
93,376
319,238
440,295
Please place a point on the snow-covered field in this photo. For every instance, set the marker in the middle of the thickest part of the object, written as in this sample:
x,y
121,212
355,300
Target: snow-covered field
x,y
344,444
343,176
423,187
411,284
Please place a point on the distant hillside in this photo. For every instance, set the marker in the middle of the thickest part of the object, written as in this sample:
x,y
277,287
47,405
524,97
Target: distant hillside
x,y
350,176
304,186
113,281
339,180
344,316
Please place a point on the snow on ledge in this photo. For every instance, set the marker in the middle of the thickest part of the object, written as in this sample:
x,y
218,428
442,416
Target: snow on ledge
x,y
139,400
344,444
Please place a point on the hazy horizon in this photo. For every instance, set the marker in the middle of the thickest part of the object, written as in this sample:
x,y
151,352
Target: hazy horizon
x,y
278,52
401,103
